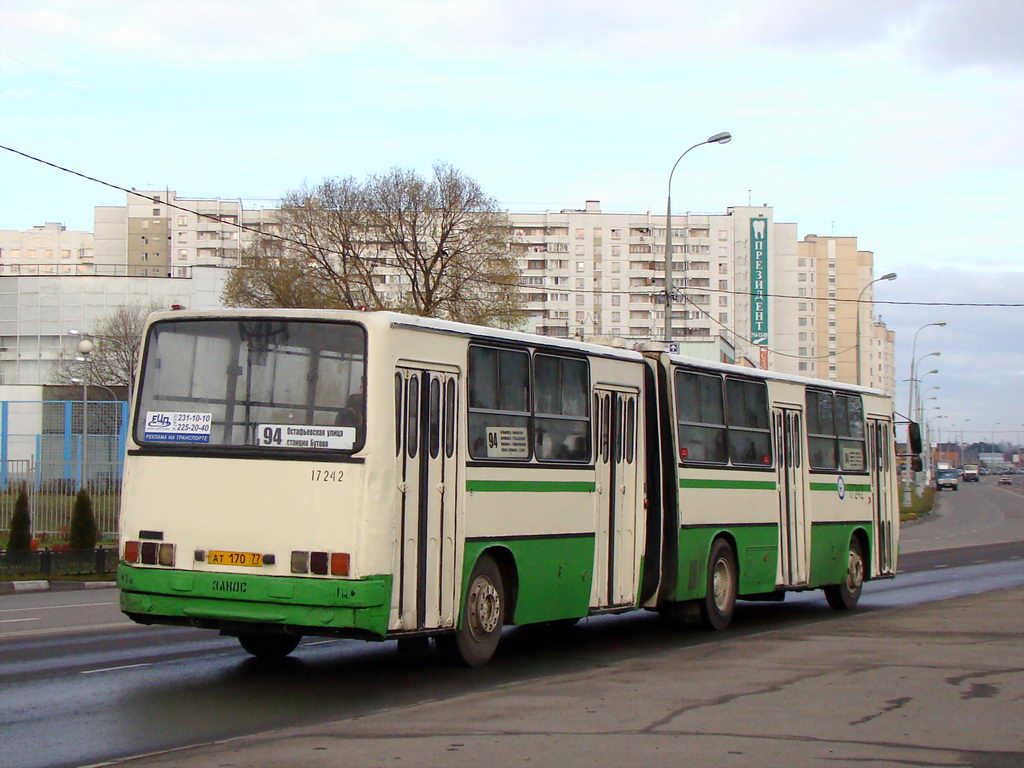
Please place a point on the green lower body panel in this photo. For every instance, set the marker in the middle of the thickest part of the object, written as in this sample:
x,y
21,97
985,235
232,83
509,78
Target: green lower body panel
x,y
830,546
325,605
757,551
553,574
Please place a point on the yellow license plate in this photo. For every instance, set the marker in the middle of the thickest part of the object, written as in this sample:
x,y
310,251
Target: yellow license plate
x,y
248,559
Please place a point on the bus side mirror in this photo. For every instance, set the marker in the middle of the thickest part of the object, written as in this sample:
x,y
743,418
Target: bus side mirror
x,y
916,464
914,434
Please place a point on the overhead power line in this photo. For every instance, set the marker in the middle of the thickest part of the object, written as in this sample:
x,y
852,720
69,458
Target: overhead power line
x,y
544,288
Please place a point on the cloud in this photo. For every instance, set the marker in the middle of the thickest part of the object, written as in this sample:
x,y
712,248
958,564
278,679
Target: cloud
x,y
981,363
944,33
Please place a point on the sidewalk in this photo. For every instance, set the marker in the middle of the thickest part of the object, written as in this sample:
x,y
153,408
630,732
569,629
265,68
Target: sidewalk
x,y
940,684
57,585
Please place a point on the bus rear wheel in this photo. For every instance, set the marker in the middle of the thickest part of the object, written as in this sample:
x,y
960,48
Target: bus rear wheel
x,y
483,615
267,646
844,596
719,601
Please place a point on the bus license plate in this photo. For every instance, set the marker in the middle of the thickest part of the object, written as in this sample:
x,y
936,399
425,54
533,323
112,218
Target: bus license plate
x,y
248,559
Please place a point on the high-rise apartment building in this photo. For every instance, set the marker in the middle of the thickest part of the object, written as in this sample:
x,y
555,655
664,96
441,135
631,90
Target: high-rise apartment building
x,y
158,234
843,275
744,289
591,273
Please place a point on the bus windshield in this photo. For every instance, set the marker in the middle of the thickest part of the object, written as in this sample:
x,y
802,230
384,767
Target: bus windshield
x,y
253,383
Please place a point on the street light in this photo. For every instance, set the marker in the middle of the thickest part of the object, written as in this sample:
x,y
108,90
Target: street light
x,y
917,383
719,138
85,347
889,276
920,379
913,354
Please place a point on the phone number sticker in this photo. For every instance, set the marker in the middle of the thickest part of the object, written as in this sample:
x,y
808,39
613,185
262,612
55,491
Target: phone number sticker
x,y
178,427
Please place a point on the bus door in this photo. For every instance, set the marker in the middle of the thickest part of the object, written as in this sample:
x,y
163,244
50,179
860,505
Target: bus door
x,y
615,433
883,504
791,468
426,443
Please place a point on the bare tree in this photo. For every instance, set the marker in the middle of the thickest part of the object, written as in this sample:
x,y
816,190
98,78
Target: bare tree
x,y
115,349
437,247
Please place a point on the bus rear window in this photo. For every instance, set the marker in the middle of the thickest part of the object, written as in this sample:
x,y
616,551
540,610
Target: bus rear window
x,y
253,383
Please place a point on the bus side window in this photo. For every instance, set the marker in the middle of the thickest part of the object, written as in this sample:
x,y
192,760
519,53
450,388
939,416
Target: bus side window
x,y
398,414
821,430
434,417
561,421
449,418
413,410
747,410
499,402
850,429
630,428
700,418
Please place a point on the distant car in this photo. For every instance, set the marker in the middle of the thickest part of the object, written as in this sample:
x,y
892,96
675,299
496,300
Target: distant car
x,y
1005,480
947,478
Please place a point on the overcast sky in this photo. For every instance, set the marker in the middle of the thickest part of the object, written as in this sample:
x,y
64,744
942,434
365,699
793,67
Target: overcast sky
x,y
895,121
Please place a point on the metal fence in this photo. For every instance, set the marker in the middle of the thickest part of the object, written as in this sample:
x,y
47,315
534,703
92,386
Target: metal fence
x,y
56,562
51,449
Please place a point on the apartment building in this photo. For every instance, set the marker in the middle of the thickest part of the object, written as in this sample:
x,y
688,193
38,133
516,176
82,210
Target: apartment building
x,y
46,249
587,273
159,234
744,289
843,274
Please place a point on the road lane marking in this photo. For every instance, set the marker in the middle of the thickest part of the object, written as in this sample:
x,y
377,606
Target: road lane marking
x,y
52,607
8,621
114,669
127,624
320,642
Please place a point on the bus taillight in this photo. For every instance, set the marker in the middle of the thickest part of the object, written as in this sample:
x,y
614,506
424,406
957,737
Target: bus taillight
x,y
131,551
339,563
321,563
166,555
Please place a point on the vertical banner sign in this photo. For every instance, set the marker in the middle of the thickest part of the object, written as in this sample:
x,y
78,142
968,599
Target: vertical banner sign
x,y
759,281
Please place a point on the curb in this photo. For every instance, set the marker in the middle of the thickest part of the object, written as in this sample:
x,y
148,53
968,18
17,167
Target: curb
x,y
38,585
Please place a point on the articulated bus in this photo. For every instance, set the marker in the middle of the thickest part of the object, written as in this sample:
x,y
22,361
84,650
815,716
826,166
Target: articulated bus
x,y
376,475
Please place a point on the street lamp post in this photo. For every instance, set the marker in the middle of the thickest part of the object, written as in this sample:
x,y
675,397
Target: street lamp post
x,y
917,382
85,347
910,402
913,354
920,404
719,138
889,276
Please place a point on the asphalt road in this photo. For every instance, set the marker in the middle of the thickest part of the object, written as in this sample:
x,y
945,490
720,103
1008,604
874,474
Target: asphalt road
x,y
81,684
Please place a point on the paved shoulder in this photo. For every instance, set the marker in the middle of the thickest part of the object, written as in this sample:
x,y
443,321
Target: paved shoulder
x,y
937,684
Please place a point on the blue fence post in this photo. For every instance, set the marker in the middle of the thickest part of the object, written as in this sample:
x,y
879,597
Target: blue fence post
x,y
122,440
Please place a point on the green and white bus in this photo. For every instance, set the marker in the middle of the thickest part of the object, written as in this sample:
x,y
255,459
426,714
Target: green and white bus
x,y
376,475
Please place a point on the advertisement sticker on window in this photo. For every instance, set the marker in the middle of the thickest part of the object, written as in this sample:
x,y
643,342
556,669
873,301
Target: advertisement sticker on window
x,y
178,427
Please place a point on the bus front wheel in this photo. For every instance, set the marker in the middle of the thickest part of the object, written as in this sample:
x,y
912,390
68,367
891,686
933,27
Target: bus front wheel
x,y
268,647
483,615
719,601
844,596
